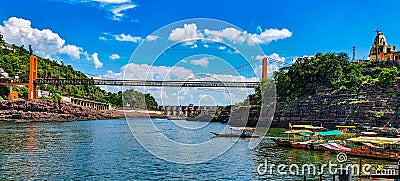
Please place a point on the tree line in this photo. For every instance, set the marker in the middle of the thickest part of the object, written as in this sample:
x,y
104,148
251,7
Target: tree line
x,y
331,70
14,62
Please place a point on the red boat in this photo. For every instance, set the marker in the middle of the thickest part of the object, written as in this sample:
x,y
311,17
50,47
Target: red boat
x,y
282,143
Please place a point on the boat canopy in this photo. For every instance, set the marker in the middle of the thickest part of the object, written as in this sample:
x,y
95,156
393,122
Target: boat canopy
x,y
369,133
348,127
243,128
302,126
315,127
330,133
375,140
297,131
305,134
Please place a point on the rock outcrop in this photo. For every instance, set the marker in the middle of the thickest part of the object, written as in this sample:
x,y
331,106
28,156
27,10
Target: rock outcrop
x,y
373,105
50,110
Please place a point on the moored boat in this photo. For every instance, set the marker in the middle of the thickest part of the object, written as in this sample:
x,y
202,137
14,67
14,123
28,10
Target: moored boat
x,y
386,148
301,145
242,132
282,142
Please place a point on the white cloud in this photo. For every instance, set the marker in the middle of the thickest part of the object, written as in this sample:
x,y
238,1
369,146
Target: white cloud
x,y
112,1
118,11
73,51
183,95
260,57
114,56
270,35
237,36
233,97
224,77
128,37
146,72
273,66
222,47
187,34
96,60
19,31
231,34
44,42
200,62
274,57
152,38
183,61
194,46
102,38
190,32
205,46
206,99
125,37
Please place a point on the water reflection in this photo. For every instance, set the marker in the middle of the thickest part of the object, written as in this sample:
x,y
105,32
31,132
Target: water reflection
x,y
30,150
106,149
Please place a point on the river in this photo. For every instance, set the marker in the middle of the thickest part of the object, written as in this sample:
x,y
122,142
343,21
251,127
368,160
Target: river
x,y
107,149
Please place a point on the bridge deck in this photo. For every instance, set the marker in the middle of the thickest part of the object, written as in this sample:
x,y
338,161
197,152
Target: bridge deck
x,y
133,83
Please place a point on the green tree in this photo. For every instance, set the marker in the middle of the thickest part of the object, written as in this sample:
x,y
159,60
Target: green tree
x,y
387,76
330,70
151,103
2,41
309,74
16,62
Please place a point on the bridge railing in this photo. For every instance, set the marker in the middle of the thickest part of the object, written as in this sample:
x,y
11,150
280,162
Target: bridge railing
x,y
147,83
151,83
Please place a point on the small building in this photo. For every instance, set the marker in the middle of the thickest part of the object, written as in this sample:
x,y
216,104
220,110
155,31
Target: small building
x,y
42,93
66,99
14,95
381,50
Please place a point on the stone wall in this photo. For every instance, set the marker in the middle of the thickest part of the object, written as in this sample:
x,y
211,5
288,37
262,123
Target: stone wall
x,y
371,106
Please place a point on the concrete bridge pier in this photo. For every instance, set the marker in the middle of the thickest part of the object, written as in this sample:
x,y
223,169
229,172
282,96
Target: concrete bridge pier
x,y
191,110
168,110
196,109
173,111
180,110
185,111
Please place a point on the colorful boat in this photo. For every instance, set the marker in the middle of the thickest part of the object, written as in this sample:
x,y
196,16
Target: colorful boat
x,y
301,145
372,146
346,129
282,143
369,134
242,132
311,138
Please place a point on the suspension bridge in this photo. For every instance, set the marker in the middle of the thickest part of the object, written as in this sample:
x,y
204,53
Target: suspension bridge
x,y
34,81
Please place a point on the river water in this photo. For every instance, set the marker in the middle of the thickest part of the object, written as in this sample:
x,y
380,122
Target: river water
x,y
107,150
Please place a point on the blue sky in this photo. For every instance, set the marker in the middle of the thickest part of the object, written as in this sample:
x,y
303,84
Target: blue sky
x,y
98,37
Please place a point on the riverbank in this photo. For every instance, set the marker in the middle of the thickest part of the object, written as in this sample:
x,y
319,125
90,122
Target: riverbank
x,y
55,111
130,113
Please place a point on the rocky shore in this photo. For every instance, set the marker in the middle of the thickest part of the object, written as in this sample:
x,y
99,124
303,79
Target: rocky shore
x,y
54,111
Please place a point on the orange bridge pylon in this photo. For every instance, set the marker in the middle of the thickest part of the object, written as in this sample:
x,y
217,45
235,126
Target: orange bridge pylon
x,y
32,88
264,68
